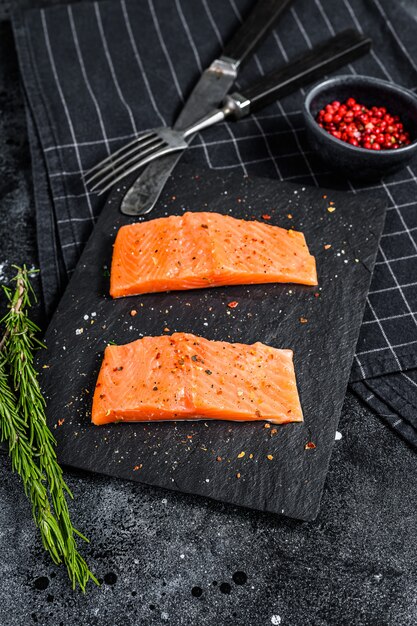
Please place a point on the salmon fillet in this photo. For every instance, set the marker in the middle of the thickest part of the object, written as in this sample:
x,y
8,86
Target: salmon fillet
x,y
197,250
187,377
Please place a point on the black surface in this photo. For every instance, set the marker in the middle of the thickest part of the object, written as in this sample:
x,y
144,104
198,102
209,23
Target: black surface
x,y
182,456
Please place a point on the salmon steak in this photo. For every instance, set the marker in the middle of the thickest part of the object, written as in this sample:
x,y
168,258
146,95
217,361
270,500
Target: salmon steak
x,y
183,376
198,250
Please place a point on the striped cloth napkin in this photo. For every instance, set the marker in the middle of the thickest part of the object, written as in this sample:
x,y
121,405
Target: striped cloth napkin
x,y
95,74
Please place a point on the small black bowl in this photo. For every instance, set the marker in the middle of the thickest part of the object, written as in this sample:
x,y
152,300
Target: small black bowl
x,y
353,161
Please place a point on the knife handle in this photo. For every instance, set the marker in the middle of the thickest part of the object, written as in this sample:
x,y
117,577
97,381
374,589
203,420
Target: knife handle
x,y
336,52
254,29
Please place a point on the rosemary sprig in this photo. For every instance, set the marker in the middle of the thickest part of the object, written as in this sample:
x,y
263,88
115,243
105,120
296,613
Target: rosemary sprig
x,y
31,443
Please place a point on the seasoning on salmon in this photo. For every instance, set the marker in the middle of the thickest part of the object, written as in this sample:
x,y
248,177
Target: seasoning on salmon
x,y
197,250
183,376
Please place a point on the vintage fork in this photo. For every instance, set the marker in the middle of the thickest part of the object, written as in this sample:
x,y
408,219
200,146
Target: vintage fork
x,y
154,144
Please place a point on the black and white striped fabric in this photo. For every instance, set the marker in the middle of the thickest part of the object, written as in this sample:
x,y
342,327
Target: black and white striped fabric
x,y
95,74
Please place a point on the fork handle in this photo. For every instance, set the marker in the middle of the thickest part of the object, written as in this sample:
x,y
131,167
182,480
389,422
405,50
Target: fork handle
x,y
336,52
253,29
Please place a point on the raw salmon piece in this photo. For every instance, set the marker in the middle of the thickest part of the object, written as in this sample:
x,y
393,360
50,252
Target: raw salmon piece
x,y
187,377
198,250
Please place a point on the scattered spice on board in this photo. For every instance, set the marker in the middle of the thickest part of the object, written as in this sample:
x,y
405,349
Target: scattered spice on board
x,y
316,294
273,432
233,305
60,422
251,456
327,246
166,329
303,320
240,455
269,457
289,216
219,458
267,425
265,216
331,209
310,445
133,312
137,467
238,475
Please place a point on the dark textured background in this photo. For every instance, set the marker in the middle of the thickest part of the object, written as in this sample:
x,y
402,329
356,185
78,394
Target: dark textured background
x,y
355,565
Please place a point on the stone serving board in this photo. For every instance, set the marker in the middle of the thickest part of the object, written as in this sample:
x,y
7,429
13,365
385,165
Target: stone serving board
x,y
183,455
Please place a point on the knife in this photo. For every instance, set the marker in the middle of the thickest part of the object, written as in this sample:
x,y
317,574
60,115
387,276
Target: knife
x,y
213,85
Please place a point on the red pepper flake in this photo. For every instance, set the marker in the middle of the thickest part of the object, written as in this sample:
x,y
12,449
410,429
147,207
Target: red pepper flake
x,y
173,197
327,246
238,475
233,304
137,467
303,320
316,294
219,458
166,329
251,456
240,455
269,457
273,432
133,312
267,425
310,445
265,216
60,422
331,209
324,197
289,216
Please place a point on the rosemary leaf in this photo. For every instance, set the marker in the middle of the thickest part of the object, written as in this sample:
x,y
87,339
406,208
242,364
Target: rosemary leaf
x,y
31,443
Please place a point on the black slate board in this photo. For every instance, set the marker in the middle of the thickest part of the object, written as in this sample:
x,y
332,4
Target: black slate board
x,y
182,455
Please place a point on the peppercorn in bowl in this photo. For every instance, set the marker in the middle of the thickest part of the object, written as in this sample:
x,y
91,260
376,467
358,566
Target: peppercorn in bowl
x,y
362,126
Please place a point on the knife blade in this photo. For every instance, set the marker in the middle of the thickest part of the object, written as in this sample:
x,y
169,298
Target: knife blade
x,y
210,90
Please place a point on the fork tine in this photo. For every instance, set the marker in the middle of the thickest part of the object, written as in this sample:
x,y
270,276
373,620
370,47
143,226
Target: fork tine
x,y
110,166
134,159
139,138
151,157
